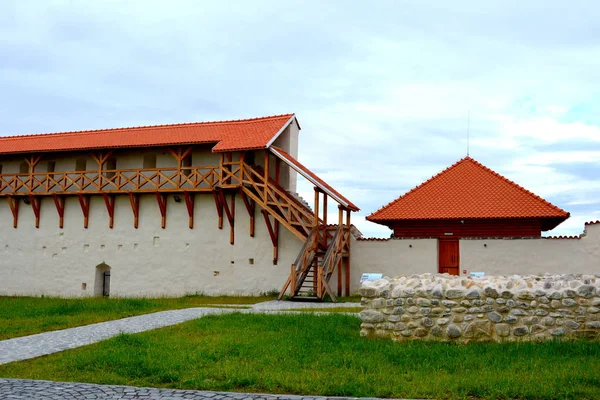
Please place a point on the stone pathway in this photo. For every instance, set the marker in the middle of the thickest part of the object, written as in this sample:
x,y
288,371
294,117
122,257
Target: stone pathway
x,y
26,347
22,389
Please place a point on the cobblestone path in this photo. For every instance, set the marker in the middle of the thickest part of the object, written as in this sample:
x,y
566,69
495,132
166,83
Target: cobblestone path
x,y
23,348
20,389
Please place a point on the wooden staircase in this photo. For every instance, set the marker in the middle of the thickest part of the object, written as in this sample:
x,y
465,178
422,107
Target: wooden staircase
x,y
326,248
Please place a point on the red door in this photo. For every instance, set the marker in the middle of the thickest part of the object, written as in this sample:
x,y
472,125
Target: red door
x,y
449,260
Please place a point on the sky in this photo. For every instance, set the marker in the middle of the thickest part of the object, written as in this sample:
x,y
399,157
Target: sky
x,y
383,90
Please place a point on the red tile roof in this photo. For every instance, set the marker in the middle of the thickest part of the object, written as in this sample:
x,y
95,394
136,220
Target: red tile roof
x,y
321,183
246,134
467,189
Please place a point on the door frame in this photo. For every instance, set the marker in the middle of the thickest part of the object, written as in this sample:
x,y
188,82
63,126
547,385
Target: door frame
x,y
448,239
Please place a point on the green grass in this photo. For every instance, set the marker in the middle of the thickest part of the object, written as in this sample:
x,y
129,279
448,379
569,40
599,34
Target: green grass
x,y
323,355
20,316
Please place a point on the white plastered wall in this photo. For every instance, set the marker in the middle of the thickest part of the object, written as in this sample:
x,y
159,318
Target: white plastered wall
x,y
148,261
391,258
533,256
288,141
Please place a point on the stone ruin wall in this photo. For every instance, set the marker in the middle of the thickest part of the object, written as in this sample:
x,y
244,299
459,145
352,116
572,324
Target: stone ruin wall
x,y
443,307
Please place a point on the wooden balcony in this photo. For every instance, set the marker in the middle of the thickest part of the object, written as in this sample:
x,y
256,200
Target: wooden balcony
x,y
151,180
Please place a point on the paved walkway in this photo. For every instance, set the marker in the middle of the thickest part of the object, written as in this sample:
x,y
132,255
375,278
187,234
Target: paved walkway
x,y
20,389
26,347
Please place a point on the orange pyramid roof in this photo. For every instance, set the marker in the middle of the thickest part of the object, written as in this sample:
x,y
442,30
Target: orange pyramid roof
x,y
466,190
245,134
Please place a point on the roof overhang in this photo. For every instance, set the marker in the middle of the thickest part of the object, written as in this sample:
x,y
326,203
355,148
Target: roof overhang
x,y
294,165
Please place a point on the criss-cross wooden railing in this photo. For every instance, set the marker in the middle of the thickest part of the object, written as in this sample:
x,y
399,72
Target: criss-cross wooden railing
x,y
113,181
332,261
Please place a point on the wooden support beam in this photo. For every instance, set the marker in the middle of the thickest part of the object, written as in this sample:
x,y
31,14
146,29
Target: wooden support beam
x,y
346,262
325,219
189,203
219,206
292,281
251,207
32,161
230,213
134,200
266,173
13,203
59,202
84,202
161,198
109,201
36,203
274,234
339,282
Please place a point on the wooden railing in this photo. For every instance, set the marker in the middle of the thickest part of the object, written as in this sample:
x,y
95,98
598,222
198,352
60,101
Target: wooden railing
x,y
203,178
339,247
298,218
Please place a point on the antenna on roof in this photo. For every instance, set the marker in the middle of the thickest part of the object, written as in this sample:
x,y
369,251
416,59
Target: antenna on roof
x,y
468,128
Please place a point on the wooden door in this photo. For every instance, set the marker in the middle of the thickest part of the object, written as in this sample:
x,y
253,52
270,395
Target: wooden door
x,y
449,259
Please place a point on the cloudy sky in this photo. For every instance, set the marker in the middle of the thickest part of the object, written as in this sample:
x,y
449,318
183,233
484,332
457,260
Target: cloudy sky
x,y
382,89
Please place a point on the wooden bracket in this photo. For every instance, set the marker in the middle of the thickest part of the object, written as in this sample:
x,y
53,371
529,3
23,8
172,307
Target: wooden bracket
x,y
273,233
189,202
251,207
84,202
230,212
134,200
36,206
219,205
162,205
109,200
13,202
59,202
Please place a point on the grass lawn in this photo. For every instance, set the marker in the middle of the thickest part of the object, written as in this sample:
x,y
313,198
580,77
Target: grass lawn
x,y
20,316
324,355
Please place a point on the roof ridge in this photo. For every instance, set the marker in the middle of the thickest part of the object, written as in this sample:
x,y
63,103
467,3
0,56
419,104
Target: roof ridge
x,y
483,168
530,193
391,203
151,127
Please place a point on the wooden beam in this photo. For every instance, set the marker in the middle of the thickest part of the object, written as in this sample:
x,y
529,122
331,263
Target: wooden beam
x,y
161,198
251,208
189,203
219,206
59,202
36,206
109,201
13,203
134,200
325,219
273,233
230,213
339,282
84,202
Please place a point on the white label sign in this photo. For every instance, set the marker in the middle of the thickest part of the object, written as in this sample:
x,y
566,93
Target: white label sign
x,y
370,277
478,274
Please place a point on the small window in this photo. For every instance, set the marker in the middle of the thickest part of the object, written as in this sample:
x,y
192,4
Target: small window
x,y
186,163
110,166
0,169
249,158
80,164
150,161
24,168
50,167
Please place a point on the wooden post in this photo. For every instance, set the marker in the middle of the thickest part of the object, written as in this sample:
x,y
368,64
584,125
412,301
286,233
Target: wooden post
x,y
32,162
324,219
266,173
346,259
340,274
84,202
134,200
250,207
59,202
293,281
219,206
36,207
109,201
189,203
13,203
162,206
